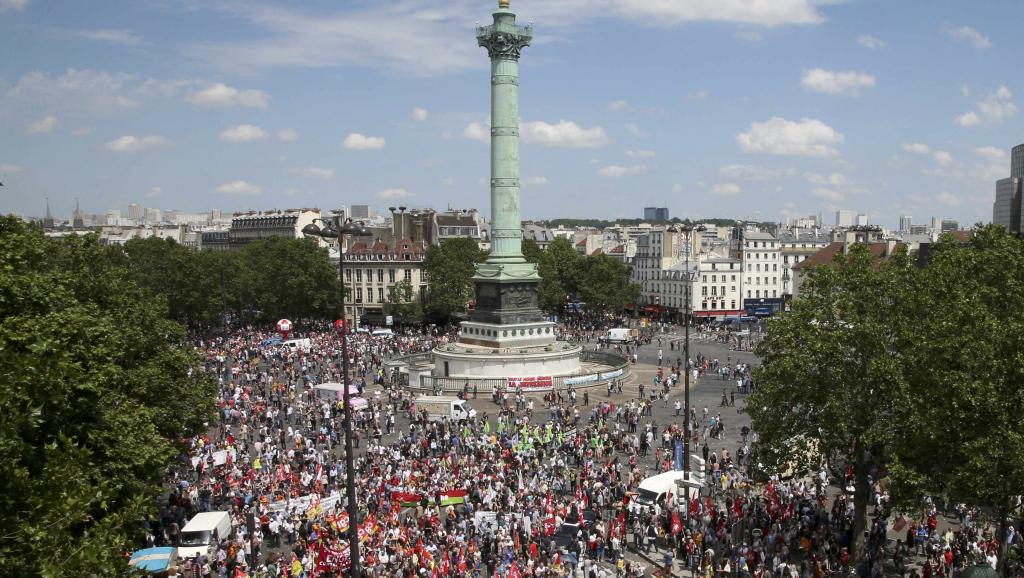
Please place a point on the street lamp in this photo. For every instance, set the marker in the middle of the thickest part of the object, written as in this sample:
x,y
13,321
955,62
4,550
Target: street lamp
x,y
334,231
687,230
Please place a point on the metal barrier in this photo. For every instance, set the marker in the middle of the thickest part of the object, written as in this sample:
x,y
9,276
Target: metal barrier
x,y
617,368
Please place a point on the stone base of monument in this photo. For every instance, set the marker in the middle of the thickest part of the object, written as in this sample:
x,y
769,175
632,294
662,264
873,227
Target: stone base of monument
x,y
464,360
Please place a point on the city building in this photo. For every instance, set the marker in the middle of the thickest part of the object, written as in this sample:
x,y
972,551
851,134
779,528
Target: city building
x,y
136,212
949,225
762,275
862,220
656,214
372,268
825,257
256,225
846,218
656,251
936,223
360,212
462,223
1007,208
905,222
796,246
712,282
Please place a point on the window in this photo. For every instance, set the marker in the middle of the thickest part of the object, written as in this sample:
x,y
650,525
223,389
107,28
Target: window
x,y
359,294
775,266
704,290
733,306
714,278
714,290
748,293
369,295
359,275
348,275
758,266
732,288
391,275
704,278
408,275
732,277
775,280
380,294
380,275
785,258
773,293
749,267
757,293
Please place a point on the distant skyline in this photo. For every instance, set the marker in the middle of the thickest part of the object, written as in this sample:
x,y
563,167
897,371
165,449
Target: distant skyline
x,y
729,108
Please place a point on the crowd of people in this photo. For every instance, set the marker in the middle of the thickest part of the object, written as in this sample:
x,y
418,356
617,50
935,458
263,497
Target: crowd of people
x,y
516,490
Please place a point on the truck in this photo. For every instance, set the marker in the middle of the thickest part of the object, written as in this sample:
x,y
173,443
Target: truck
x,y
439,407
202,534
620,335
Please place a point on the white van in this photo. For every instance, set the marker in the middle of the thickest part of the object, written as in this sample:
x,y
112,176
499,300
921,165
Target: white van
x,y
202,533
654,489
296,344
382,333
620,335
439,407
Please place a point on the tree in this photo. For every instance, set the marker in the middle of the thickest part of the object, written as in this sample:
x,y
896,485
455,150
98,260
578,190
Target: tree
x,y
449,268
98,387
402,303
962,434
605,285
281,277
831,379
551,293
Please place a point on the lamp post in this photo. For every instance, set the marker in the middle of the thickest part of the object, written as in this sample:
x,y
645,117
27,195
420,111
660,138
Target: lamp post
x,y
334,231
687,229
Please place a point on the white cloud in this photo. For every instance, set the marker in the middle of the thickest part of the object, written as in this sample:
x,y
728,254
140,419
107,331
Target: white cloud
x,y
942,157
395,35
564,134
848,83
75,90
359,142
917,148
132,144
968,119
81,131
778,136
419,114
11,168
287,135
701,94
116,36
618,105
535,181
991,153
753,173
828,194
154,192
393,194
995,108
615,171
725,189
947,199
222,95
239,187
965,90
834,179
677,188
42,125
869,41
641,154
314,172
635,130
19,5
477,131
243,133
968,34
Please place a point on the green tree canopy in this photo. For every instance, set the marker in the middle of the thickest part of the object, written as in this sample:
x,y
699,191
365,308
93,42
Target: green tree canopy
x,y
402,303
449,269
831,376
98,387
962,432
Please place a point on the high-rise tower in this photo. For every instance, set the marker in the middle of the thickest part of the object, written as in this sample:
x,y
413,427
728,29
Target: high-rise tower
x,y
507,312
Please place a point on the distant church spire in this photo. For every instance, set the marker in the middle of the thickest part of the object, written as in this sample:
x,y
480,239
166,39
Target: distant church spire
x,y
48,219
78,222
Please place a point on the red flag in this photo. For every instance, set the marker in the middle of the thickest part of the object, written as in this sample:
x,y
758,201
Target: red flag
x,y
677,526
513,572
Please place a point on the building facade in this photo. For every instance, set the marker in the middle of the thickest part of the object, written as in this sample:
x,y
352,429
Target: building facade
x,y
656,213
372,269
257,225
762,273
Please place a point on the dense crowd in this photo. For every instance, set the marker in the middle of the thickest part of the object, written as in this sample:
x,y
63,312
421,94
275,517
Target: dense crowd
x,y
527,487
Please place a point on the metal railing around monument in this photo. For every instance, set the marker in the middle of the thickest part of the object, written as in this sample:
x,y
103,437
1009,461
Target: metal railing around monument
x,y
616,368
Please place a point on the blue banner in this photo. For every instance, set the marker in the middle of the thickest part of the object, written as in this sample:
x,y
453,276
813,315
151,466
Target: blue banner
x,y
677,461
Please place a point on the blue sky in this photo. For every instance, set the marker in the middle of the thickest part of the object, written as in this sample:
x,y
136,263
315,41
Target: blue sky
x,y
731,108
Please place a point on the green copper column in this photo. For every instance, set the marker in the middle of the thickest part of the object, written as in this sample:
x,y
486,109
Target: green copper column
x,y
504,40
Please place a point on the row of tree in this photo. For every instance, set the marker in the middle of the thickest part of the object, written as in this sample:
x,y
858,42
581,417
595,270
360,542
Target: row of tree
x,y
99,386
263,281
601,282
906,373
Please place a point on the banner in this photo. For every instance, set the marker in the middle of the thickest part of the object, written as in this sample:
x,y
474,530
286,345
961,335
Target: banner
x,y
611,374
580,379
530,382
453,497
